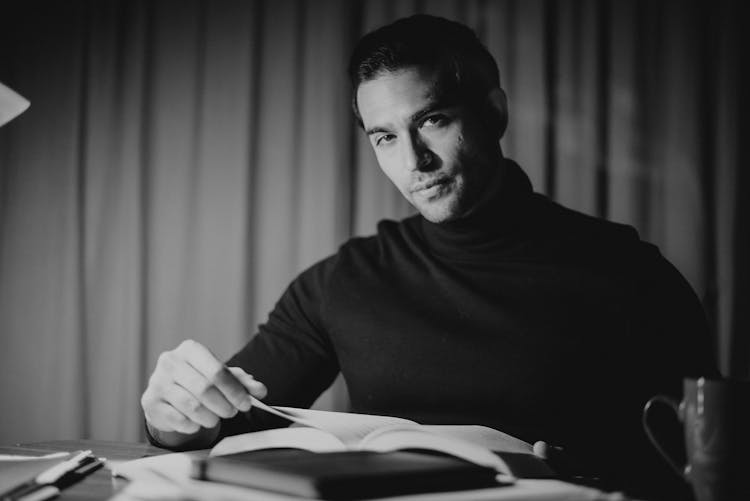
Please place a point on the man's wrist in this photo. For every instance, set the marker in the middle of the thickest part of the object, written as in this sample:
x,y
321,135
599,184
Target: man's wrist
x,y
174,440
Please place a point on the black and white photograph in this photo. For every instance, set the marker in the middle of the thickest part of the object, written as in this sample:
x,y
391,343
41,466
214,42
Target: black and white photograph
x,y
413,250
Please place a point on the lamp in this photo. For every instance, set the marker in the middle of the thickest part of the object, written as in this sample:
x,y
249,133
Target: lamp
x,y
11,104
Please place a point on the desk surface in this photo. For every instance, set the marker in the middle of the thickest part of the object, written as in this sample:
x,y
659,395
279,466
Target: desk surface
x,y
100,484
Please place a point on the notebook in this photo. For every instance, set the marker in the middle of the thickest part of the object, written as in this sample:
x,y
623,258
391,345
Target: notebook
x,y
345,475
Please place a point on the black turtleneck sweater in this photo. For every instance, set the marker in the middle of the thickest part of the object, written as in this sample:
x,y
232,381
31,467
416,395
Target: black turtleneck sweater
x,y
526,317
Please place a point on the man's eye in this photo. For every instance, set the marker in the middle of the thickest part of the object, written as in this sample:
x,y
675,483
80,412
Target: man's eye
x,y
384,139
435,121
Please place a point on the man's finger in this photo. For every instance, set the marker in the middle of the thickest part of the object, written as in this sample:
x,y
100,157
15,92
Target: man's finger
x,y
215,372
560,460
166,418
186,403
199,357
203,389
232,389
541,449
253,386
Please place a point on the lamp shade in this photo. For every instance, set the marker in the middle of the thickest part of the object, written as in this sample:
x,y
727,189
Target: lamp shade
x,y
11,104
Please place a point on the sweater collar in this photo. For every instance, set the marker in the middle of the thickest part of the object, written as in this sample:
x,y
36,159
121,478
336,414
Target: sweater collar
x,y
497,224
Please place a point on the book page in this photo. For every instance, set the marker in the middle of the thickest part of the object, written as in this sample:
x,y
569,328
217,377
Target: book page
x,y
352,428
310,439
484,436
397,437
277,411
348,427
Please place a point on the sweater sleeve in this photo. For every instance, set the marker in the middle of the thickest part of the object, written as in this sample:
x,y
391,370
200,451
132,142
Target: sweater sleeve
x,y
292,353
669,340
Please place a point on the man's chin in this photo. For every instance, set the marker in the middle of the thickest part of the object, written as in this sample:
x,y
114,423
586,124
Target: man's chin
x,y
438,213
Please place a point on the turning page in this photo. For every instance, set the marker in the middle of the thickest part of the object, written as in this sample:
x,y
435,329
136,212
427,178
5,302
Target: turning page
x,y
348,427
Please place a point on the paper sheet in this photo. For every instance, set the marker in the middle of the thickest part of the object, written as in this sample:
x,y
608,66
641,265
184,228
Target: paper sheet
x,y
348,427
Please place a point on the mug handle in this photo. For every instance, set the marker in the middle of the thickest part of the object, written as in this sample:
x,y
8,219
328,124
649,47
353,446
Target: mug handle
x,y
675,406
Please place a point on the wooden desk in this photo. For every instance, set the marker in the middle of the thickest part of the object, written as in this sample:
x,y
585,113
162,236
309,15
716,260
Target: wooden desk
x,y
100,484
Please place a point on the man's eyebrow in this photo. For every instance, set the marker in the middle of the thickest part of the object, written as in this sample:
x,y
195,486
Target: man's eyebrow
x,y
375,130
417,116
430,108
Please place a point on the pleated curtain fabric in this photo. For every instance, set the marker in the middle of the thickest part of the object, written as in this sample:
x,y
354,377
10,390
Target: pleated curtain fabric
x,y
182,161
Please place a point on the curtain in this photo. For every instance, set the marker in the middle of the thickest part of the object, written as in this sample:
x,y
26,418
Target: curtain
x,y
182,161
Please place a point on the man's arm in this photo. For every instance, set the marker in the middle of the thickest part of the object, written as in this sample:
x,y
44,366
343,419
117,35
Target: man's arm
x,y
670,340
292,353
193,399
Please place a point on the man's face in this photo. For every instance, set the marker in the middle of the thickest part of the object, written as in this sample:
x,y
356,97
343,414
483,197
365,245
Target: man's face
x,y
439,155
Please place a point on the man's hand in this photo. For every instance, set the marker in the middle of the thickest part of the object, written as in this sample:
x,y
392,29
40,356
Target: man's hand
x,y
190,390
558,459
571,469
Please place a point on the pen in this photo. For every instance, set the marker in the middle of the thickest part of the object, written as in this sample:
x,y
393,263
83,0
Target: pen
x,y
20,490
88,466
43,486
43,493
53,474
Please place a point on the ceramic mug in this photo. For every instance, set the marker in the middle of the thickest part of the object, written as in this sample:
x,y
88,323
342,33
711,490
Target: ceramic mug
x,y
715,415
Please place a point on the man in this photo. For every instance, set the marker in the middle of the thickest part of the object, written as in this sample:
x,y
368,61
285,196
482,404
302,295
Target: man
x,y
493,306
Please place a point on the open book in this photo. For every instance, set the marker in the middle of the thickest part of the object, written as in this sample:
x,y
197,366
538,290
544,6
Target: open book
x,y
323,431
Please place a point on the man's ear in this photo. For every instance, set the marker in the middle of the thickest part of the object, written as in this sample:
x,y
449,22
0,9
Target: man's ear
x,y
499,104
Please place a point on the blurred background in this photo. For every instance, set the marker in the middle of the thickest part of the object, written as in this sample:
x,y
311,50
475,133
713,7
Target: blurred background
x,y
182,161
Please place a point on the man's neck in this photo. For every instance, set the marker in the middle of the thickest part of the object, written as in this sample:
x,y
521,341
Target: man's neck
x,y
491,190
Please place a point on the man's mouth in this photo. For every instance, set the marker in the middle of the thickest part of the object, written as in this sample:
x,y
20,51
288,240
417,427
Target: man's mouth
x,y
429,185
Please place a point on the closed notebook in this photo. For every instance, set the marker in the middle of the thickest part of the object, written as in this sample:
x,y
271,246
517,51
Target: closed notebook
x,y
345,475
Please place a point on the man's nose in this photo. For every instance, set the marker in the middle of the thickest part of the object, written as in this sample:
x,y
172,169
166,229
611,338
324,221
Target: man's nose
x,y
417,155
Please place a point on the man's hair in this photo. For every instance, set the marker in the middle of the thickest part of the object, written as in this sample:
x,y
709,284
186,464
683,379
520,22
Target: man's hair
x,y
467,71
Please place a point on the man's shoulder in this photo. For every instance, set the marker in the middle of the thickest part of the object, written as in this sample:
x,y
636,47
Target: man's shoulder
x,y
592,235
362,255
567,219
